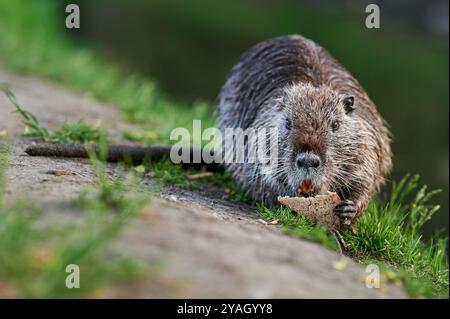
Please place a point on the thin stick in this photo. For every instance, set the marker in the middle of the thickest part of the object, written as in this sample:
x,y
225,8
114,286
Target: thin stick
x,y
118,153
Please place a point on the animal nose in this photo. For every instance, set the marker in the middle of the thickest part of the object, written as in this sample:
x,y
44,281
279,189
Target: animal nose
x,y
308,160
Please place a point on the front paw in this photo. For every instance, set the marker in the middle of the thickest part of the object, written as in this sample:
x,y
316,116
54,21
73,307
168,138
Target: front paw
x,y
346,211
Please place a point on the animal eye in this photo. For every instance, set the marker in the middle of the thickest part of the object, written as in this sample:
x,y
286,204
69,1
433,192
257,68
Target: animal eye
x,y
335,126
288,124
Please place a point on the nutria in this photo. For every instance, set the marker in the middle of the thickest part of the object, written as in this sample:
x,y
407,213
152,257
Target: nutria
x,y
330,135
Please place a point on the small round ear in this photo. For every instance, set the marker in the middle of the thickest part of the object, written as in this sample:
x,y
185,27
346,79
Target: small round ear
x,y
349,102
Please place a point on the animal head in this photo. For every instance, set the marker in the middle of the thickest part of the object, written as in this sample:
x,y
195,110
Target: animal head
x,y
322,140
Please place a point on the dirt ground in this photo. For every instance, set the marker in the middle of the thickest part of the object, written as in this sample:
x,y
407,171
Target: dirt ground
x,y
205,246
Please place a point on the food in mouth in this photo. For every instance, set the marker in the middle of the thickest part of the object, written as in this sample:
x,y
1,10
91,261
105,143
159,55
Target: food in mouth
x,y
306,188
318,209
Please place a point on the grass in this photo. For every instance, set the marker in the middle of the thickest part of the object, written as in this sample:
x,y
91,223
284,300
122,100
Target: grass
x,y
388,234
224,179
31,41
83,133
68,133
34,250
297,225
36,44
170,173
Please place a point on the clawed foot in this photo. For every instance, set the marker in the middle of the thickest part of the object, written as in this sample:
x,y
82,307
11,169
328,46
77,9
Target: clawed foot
x,y
346,211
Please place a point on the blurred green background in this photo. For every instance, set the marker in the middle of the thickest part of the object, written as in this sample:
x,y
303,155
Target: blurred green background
x,y
188,47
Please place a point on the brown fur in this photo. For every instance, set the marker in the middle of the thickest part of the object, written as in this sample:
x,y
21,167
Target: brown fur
x,y
293,79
